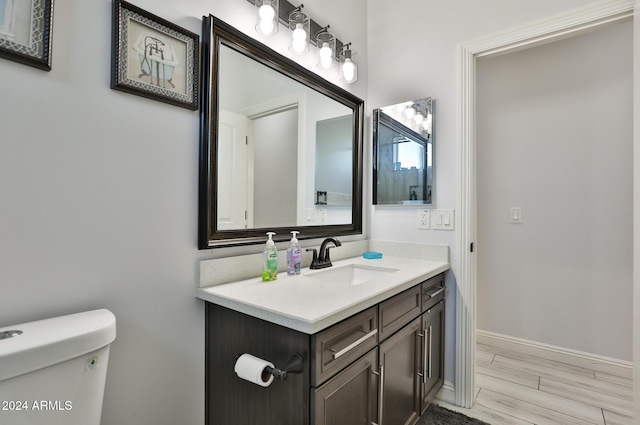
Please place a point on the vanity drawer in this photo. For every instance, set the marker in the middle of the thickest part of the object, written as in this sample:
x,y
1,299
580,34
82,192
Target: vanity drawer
x,y
399,310
433,291
338,346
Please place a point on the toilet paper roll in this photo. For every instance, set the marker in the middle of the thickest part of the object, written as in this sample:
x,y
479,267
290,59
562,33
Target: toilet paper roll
x,y
253,369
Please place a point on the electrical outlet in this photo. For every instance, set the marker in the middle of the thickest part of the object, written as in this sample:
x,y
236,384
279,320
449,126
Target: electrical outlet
x,y
424,219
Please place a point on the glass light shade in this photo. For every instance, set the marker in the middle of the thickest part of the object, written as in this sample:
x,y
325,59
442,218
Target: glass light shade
x,y
348,66
300,24
267,17
326,43
410,112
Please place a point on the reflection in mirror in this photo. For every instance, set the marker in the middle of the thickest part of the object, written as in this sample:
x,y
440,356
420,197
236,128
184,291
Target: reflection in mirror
x,y
403,153
274,136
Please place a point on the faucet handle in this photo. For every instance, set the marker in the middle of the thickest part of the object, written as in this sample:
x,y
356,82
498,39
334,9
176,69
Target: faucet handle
x,y
314,260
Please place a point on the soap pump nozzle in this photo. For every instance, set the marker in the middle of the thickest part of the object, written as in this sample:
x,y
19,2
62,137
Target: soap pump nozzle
x,y
270,241
294,233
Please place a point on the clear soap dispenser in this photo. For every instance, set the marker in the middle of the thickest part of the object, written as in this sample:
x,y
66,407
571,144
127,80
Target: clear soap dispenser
x,y
294,255
270,260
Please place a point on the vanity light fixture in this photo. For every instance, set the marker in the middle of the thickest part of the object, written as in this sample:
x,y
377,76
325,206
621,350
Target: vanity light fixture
x,y
300,26
267,17
348,65
326,43
330,50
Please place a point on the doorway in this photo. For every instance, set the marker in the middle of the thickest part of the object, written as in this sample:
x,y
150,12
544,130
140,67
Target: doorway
x,y
571,23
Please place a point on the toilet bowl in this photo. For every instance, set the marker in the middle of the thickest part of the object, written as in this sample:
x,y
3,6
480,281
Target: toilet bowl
x,y
53,371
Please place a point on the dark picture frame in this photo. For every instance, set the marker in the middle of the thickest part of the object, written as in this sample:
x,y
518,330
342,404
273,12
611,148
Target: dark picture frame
x,y
25,32
154,58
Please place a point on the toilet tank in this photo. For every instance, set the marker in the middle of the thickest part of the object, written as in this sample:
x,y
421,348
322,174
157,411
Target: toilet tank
x,y
53,371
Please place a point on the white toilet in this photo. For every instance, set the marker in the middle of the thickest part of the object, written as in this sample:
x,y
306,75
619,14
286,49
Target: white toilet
x,y
53,371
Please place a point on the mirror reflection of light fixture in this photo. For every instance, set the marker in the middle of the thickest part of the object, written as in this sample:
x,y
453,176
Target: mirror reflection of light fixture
x,y
326,43
268,15
410,112
300,25
348,65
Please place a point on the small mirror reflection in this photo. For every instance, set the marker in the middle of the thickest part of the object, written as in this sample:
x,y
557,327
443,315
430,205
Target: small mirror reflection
x,y
403,153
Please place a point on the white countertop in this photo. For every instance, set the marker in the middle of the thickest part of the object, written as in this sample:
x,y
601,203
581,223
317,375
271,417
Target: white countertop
x,y
308,304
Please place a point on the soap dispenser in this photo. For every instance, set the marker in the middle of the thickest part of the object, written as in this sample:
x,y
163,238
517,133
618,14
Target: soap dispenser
x,y
294,255
270,260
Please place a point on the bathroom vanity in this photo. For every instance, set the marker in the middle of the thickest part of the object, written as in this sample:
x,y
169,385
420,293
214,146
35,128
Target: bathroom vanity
x,y
370,333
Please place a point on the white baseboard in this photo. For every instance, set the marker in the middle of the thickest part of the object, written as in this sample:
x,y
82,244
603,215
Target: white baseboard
x,y
594,362
447,393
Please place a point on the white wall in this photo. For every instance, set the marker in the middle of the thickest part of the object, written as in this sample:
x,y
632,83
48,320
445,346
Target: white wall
x,y
98,193
554,136
412,55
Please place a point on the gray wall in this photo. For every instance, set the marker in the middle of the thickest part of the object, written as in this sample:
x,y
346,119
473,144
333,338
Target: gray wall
x,y
98,196
554,136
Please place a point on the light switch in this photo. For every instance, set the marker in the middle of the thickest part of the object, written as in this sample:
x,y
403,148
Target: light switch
x,y
515,215
442,219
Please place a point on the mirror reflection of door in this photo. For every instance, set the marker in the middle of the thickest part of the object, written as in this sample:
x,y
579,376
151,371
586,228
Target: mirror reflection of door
x,y
233,169
275,180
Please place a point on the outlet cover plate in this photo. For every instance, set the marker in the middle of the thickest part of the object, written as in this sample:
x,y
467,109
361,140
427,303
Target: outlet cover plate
x,y
424,219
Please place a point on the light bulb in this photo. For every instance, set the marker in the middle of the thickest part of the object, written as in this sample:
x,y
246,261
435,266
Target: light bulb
x,y
267,24
266,12
326,54
299,39
348,70
410,112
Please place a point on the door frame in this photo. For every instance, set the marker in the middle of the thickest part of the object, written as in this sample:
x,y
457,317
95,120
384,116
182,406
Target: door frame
x,y
555,28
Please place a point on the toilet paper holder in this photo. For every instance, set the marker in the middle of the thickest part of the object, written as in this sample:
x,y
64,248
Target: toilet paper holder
x,y
294,365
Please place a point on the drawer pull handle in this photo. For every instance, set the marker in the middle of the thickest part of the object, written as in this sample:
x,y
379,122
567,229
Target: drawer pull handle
x,y
439,291
423,375
345,350
381,396
430,348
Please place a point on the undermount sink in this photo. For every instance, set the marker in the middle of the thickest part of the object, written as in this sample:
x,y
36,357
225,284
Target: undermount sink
x,y
353,274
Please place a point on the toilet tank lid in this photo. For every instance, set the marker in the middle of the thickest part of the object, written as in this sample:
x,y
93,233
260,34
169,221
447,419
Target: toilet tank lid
x,y
50,341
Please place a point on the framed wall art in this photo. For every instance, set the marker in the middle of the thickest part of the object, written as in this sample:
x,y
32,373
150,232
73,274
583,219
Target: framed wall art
x,y
25,31
153,58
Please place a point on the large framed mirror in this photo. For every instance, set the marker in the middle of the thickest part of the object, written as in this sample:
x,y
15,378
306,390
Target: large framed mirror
x,y
403,153
280,150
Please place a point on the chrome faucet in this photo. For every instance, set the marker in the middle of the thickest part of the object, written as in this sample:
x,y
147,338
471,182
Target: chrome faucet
x,y
322,260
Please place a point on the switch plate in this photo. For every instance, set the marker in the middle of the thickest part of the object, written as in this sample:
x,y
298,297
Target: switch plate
x,y
515,215
424,219
442,219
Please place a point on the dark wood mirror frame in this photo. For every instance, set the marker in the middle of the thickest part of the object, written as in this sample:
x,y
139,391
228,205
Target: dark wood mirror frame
x,y
215,33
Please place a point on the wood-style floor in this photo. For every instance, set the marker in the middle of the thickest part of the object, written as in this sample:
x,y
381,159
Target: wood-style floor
x,y
518,389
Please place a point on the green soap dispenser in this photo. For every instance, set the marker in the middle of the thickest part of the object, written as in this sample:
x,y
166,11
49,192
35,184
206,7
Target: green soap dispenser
x,y
270,260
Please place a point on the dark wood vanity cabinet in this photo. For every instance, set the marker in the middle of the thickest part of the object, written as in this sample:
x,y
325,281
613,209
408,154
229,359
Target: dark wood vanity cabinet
x,y
381,366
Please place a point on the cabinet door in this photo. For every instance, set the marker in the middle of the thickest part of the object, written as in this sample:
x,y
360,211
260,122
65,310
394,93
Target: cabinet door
x,y
350,397
432,353
399,380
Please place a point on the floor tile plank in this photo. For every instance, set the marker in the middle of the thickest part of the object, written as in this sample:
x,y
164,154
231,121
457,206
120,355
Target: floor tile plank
x,y
524,410
542,400
541,368
615,379
508,374
593,398
613,418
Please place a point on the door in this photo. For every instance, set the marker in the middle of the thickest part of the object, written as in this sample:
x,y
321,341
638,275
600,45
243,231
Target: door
x,y
432,374
350,397
233,171
399,369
